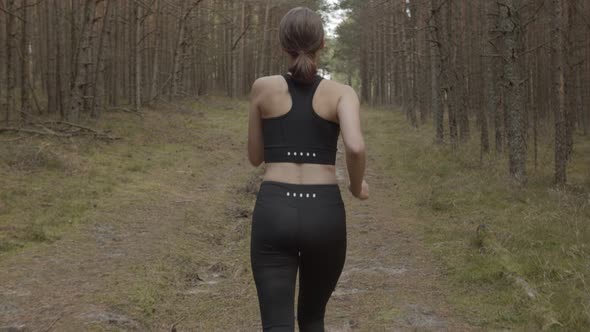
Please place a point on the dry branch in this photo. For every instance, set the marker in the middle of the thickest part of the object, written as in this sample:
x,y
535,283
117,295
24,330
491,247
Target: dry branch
x,y
60,132
32,131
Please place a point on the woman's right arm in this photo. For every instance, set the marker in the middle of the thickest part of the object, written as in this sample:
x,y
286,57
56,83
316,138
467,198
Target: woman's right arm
x,y
350,125
255,139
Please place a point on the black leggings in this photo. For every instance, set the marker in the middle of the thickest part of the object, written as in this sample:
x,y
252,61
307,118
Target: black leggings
x,y
297,226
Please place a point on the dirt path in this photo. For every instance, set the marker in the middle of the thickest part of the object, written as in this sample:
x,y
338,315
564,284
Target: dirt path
x,y
390,282
175,257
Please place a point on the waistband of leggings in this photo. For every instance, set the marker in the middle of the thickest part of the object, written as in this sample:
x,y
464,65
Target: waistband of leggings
x,y
323,192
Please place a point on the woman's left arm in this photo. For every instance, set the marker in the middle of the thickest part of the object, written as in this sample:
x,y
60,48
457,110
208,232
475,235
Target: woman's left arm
x,y
255,139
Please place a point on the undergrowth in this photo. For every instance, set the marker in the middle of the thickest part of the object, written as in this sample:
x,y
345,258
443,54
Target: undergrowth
x,y
543,232
51,183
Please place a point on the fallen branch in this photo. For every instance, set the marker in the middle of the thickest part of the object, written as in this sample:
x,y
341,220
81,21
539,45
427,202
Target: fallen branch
x,y
33,131
46,129
60,132
126,110
76,126
53,323
96,133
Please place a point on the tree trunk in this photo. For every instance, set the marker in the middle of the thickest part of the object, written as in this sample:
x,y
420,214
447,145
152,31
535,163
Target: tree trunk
x,y
99,68
180,49
435,68
265,49
157,50
60,60
78,97
10,70
450,93
512,30
559,81
490,73
137,54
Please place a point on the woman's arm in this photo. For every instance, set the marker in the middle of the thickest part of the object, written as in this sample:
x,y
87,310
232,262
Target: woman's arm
x,y
255,140
350,126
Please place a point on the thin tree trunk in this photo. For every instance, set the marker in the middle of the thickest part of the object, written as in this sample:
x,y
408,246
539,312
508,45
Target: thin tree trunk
x,y
84,62
265,42
99,68
559,81
60,59
25,78
512,30
242,69
137,55
51,59
450,93
157,47
435,68
10,70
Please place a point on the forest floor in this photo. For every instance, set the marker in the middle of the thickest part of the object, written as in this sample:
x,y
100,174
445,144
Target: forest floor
x,y
151,232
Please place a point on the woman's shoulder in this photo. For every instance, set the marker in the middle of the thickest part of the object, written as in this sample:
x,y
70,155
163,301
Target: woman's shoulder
x,y
339,89
267,81
268,84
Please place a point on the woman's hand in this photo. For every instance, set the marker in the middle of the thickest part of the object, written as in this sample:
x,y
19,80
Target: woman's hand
x,y
361,194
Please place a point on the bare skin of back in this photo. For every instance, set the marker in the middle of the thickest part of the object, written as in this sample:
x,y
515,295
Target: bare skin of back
x,y
332,101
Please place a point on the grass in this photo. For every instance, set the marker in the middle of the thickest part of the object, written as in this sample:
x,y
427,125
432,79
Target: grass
x,y
53,184
542,232
185,280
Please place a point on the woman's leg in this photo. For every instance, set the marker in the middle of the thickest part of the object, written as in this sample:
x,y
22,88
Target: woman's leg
x,y
274,260
323,253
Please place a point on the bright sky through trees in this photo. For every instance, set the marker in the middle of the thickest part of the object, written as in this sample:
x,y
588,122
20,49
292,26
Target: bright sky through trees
x,y
334,18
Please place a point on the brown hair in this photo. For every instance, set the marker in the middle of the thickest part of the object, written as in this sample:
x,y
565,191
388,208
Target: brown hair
x,y
301,33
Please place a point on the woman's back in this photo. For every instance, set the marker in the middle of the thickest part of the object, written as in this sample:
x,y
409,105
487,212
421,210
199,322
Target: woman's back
x,y
273,99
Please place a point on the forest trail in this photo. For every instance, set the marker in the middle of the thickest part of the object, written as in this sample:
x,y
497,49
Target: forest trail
x,y
168,250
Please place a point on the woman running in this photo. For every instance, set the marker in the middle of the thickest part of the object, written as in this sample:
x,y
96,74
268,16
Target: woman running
x,y
299,219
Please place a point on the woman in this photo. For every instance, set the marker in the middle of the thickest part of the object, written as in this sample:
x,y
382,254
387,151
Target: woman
x,y
299,220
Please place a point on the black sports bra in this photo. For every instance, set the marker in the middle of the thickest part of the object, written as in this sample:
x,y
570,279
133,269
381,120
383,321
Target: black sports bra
x,y
300,135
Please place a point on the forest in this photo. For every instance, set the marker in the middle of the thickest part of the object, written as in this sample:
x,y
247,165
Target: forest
x,y
76,59
504,71
117,117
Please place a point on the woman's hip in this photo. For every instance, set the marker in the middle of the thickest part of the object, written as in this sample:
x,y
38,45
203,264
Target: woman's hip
x,y
299,195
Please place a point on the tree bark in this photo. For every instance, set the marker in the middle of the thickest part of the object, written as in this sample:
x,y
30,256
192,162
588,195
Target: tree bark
x,y
25,65
512,30
137,54
99,68
78,97
560,86
10,70
435,70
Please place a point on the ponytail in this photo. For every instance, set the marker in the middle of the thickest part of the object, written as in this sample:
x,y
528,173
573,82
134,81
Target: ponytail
x,y
301,33
304,68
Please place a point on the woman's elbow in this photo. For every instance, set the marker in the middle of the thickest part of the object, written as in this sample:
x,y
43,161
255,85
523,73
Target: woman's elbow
x,y
255,160
356,149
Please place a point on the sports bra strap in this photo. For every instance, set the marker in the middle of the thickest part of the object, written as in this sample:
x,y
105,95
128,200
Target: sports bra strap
x,y
302,94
